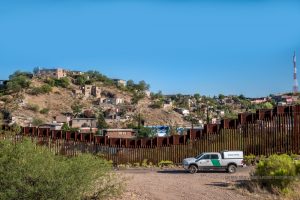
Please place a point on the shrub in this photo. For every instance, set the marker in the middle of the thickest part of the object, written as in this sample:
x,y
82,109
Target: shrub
x,y
165,163
44,89
297,165
144,163
44,111
250,159
33,107
32,172
16,128
277,171
156,105
37,122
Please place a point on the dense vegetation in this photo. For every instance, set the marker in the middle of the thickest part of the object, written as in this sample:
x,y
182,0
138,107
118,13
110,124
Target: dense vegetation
x,y
32,172
277,173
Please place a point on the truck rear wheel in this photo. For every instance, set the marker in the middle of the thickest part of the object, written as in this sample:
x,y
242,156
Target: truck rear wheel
x,y
231,169
193,169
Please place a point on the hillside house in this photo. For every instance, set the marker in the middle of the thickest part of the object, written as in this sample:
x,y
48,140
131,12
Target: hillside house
x,y
258,100
183,111
52,73
120,82
88,91
83,122
62,119
119,133
75,73
96,91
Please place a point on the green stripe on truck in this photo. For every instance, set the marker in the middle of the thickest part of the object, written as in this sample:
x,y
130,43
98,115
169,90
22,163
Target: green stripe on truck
x,y
216,163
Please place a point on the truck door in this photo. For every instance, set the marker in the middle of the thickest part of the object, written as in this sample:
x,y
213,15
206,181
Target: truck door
x,y
215,160
204,161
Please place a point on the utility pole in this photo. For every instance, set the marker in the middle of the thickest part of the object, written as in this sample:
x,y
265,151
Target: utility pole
x,y
295,88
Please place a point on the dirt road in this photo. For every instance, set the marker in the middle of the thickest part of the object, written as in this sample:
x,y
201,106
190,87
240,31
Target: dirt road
x,y
178,184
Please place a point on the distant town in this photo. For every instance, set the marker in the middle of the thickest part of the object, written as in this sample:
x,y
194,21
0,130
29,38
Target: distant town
x,y
61,99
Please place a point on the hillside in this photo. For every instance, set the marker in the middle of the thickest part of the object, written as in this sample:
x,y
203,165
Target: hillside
x,y
27,108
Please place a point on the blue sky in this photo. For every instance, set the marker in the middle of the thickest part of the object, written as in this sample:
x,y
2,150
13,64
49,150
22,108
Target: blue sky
x,y
206,47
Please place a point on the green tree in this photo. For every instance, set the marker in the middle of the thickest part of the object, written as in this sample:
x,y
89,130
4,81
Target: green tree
x,y
221,96
16,128
17,83
76,108
197,96
145,132
65,127
101,123
267,105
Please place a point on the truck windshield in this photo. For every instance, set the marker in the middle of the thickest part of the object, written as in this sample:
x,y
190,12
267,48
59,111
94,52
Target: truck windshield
x,y
199,156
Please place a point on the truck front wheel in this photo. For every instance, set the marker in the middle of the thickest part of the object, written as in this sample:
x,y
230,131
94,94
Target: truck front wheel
x,y
193,169
231,169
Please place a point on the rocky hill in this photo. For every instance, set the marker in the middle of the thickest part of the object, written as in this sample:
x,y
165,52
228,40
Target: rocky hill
x,y
33,105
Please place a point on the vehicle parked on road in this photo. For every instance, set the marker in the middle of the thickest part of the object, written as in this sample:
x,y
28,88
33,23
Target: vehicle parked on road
x,y
212,161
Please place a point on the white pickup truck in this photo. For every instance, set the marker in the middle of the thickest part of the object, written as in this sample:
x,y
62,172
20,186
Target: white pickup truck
x,y
225,160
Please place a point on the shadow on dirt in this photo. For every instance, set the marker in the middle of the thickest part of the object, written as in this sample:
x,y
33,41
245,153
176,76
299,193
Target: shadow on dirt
x,y
186,172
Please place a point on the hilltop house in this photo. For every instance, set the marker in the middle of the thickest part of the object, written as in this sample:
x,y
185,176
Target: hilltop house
x,y
52,73
88,91
120,82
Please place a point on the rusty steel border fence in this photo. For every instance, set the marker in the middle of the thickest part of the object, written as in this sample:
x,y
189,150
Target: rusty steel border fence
x,y
259,134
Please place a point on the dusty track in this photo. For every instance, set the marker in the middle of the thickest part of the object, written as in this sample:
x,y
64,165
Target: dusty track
x,y
178,184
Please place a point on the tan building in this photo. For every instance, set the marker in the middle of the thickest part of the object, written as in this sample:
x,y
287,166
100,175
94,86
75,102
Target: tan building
x,y
96,92
84,122
119,133
62,119
87,90
52,73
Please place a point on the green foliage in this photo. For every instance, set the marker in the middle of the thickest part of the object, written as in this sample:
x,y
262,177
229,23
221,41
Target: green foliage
x,y
158,95
30,172
44,111
277,171
33,107
165,163
44,89
50,81
62,82
267,105
16,128
77,108
157,104
250,159
37,122
221,96
145,132
95,76
142,86
137,97
18,81
81,80
101,123
144,163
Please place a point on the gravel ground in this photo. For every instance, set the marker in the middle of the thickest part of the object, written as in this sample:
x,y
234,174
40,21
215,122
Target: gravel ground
x,y
164,184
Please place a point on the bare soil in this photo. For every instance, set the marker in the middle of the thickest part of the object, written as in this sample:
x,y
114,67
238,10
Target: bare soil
x,y
158,184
